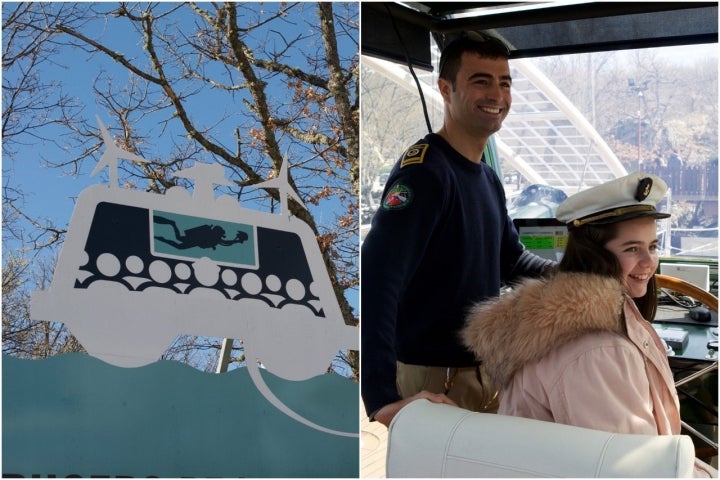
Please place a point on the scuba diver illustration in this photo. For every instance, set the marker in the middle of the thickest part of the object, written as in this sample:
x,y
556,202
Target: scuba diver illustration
x,y
203,236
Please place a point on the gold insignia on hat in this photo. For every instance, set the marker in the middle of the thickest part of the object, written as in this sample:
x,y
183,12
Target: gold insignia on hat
x,y
616,212
643,189
414,154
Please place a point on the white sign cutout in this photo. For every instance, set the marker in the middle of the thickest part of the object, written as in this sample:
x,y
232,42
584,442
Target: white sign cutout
x,y
137,269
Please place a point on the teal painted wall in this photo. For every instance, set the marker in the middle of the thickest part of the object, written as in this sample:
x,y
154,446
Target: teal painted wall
x,y
76,415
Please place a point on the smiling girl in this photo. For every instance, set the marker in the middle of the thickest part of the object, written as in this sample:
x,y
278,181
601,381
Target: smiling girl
x,y
578,348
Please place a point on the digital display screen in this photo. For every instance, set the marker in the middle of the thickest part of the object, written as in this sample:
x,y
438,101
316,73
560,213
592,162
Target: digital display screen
x,y
545,237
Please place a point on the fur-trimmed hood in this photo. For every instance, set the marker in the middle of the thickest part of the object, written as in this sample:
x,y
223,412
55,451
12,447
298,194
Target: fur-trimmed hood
x,y
537,316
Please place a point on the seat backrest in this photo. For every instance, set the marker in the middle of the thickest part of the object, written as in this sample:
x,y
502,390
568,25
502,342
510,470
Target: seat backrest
x,y
440,441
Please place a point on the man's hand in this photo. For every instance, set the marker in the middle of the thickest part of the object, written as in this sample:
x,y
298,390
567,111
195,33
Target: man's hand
x,y
388,412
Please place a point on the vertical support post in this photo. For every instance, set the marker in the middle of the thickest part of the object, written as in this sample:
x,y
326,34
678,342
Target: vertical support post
x,y
668,225
225,354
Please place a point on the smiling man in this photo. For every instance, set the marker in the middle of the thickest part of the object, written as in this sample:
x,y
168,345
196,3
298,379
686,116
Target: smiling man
x,y
440,241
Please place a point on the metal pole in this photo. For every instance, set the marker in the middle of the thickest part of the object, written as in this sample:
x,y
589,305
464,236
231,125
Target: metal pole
x,y
697,374
639,139
688,379
225,354
699,435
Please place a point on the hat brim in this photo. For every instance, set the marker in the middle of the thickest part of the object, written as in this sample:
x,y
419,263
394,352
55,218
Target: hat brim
x,y
629,216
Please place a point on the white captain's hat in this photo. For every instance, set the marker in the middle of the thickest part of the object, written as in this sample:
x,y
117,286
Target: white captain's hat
x,y
635,195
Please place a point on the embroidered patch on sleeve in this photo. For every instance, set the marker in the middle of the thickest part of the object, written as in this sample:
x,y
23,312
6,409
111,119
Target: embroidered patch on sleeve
x,y
399,196
414,154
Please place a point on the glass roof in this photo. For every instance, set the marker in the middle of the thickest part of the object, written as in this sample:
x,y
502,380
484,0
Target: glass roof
x,y
547,140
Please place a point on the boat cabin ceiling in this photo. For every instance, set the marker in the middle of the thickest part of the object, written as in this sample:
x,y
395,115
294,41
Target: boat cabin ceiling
x,y
397,31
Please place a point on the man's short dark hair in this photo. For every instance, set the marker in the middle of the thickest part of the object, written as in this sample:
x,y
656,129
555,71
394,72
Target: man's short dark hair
x,y
480,43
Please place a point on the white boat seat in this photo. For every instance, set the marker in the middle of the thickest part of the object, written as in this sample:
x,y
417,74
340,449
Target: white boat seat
x,y
433,440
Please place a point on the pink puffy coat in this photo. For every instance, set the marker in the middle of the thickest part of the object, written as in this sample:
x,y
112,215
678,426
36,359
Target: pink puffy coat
x,y
574,349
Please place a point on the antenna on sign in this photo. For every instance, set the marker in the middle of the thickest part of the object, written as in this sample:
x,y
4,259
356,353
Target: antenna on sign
x,y
110,157
282,183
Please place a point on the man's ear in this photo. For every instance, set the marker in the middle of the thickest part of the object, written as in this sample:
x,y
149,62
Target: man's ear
x,y
444,87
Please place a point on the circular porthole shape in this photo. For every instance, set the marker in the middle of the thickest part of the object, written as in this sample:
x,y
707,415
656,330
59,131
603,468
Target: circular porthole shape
x,y
134,264
108,264
229,277
207,272
295,289
160,272
182,271
273,283
315,289
251,283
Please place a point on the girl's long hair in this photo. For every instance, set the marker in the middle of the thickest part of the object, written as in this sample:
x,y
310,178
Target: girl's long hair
x,y
586,253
